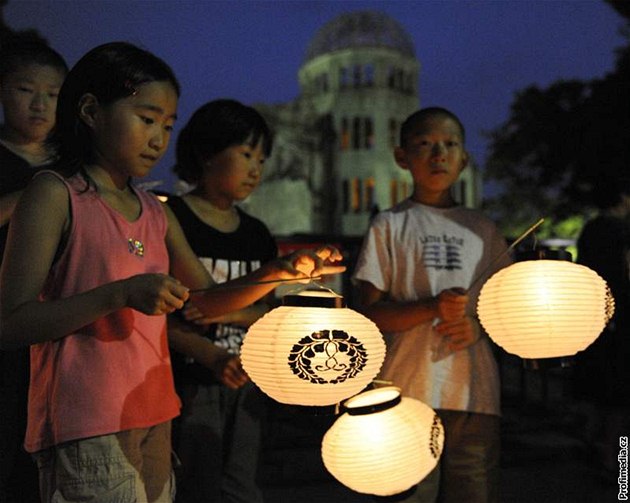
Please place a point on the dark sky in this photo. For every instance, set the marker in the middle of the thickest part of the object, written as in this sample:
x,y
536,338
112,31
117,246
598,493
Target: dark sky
x,y
474,54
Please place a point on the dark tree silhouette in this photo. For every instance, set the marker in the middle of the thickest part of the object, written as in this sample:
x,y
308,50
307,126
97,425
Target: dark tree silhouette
x,y
560,142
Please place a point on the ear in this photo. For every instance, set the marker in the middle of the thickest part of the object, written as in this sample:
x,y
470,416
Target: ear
x,y
401,157
88,109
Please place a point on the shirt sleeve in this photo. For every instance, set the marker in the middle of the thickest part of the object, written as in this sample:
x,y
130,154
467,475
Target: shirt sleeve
x,y
374,263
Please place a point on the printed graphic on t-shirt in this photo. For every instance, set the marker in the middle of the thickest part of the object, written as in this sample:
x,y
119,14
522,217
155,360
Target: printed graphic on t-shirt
x,y
442,252
228,337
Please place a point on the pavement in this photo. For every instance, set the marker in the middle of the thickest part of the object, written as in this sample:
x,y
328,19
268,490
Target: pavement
x,y
545,456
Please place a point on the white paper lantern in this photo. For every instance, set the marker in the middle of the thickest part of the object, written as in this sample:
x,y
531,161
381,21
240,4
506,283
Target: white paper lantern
x,y
312,350
383,444
545,308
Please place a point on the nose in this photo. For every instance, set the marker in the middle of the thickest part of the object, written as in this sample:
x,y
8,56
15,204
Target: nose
x,y
39,102
255,169
159,140
438,150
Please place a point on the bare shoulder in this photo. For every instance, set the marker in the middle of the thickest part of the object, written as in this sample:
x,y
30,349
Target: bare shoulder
x,y
45,196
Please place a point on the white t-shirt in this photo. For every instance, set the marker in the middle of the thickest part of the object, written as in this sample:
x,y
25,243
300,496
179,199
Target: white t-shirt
x,y
413,251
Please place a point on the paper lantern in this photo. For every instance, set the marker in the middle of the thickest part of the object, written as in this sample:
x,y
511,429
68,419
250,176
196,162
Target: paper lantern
x,y
383,444
312,350
545,308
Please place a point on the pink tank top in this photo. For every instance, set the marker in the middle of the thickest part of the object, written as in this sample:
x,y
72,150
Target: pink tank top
x,y
114,374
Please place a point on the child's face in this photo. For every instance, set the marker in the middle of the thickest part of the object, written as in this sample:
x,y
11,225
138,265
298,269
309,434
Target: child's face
x,y
434,154
233,174
29,99
132,134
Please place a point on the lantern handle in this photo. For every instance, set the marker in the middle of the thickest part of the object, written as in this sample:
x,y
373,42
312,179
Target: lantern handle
x,y
253,283
506,251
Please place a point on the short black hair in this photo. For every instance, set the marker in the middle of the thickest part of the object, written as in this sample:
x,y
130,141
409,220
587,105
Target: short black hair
x,y
213,127
416,119
21,49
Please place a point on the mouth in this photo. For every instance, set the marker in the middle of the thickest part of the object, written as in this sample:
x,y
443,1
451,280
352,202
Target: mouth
x,y
38,120
150,158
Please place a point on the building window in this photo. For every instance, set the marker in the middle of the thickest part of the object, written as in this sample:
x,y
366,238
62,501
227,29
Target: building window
x,y
391,76
368,73
393,192
355,196
343,77
345,134
368,132
393,133
356,76
403,191
356,133
370,203
323,83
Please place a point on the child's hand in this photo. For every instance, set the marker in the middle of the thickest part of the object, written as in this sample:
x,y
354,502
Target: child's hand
x,y
230,372
451,304
194,315
154,294
309,263
460,333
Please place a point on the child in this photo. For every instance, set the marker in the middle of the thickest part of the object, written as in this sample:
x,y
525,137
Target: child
x,y
602,373
416,261
221,152
85,281
31,74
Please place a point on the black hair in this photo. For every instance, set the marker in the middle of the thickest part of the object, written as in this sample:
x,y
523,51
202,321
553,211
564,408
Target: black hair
x,y
22,49
416,119
110,72
215,126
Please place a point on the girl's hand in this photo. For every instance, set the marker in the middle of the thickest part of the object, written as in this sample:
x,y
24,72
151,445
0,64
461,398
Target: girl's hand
x,y
308,263
154,294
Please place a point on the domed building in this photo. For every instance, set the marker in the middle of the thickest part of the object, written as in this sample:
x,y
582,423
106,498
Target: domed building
x,y
332,165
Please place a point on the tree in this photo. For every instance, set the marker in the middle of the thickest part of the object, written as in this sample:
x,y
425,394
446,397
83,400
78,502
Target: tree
x,y
558,144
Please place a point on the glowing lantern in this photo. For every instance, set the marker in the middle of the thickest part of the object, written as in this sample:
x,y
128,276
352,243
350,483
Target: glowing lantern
x,y
545,308
312,350
383,444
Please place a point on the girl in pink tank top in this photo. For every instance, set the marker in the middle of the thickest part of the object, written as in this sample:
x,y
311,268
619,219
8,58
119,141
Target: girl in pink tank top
x,y
92,266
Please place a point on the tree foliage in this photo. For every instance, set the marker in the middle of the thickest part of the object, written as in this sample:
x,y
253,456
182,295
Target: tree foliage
x,y
558,144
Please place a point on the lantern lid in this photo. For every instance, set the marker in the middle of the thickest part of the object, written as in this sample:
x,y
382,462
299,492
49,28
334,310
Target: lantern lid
x,y
544,254
374,400
314,298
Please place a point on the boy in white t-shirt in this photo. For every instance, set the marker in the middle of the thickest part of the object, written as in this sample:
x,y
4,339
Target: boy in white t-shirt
x,y
415,275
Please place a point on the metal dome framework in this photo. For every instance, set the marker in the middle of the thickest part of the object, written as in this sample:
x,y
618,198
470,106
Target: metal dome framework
x,y
360,29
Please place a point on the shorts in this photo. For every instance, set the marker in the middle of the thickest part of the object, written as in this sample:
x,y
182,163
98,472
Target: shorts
x,y
124,467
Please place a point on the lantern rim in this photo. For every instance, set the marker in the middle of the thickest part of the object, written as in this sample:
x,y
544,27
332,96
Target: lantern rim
x,y
314,298
372,401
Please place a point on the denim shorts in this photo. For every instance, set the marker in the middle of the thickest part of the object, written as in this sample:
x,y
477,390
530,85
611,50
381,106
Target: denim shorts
x,y
124,467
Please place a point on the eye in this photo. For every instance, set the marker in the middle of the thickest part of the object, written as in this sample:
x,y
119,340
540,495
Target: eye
x,y
147,120
53,95
452,143
24,89
169,128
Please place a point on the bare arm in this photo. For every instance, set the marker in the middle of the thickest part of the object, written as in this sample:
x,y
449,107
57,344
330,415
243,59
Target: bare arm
x,y
40,220
186,339
244,291
399,316
7,206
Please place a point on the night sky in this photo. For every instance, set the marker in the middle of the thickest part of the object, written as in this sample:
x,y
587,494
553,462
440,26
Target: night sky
x,y
474,55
